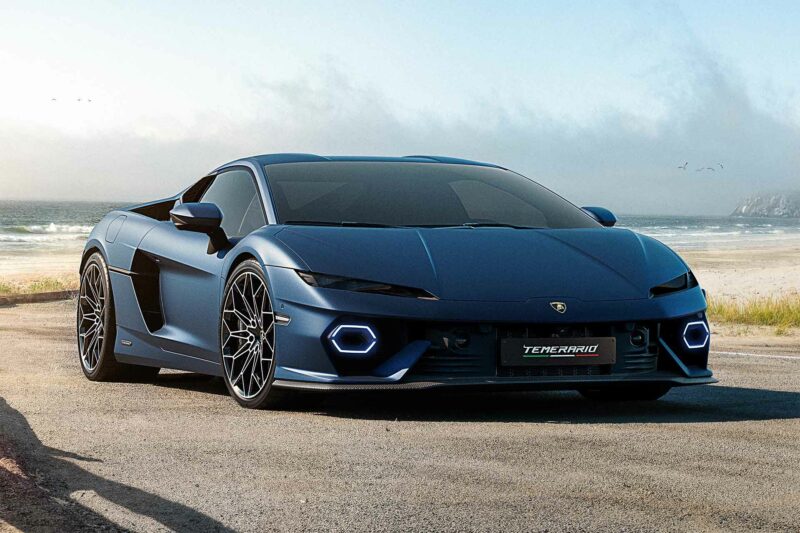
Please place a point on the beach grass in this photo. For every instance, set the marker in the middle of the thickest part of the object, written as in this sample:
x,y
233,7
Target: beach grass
x,y
38,285
783,312
6,288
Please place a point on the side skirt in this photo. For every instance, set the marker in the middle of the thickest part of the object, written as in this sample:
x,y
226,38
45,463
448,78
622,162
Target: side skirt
x,y
175,362
134,348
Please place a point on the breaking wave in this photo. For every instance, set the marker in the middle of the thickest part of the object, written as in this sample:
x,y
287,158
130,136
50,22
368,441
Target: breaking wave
x,y
46,229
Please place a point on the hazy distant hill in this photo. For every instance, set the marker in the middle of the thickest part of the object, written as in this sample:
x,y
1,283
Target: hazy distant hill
x,y
784,205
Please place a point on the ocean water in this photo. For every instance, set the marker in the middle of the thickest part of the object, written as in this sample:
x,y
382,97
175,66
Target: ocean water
x,y
717,232
27,227
42,227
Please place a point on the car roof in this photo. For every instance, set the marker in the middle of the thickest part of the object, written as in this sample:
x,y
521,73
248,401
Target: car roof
x,y
275,159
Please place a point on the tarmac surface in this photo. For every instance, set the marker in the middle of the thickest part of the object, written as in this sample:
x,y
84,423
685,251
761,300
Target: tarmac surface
x,y
179,454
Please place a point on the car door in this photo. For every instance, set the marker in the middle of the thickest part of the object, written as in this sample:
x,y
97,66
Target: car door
x,y
190,277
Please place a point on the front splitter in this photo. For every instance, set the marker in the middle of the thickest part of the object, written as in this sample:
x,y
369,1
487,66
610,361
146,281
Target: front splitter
x,y
553,383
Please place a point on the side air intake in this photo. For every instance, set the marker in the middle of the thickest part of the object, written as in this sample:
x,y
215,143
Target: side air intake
x,y
145,277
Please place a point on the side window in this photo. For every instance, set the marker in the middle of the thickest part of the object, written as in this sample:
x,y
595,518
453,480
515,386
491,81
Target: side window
x,y
236,195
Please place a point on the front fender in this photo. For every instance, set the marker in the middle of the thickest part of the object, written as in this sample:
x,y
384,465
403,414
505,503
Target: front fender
x,y
266,249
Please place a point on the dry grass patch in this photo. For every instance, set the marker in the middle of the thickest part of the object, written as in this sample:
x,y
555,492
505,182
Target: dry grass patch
x,y
6,288
783,312
37,285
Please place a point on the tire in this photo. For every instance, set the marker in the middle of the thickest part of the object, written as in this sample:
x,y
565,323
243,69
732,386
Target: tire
x,y
97,331
638,393
247,338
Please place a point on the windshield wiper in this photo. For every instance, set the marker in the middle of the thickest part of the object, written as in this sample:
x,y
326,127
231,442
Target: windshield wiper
x,y
344,223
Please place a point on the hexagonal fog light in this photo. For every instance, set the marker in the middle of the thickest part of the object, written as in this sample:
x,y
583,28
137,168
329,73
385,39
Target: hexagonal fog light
x,y
696,335
353,339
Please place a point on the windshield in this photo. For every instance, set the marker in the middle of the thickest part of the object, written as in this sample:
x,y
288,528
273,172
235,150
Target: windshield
x,y
415,194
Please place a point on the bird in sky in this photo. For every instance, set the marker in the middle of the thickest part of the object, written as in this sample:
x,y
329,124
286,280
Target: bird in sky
x,y
712,169
683,167
720,166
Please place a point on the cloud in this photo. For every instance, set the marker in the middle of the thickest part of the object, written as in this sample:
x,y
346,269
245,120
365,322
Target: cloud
x,y
623,161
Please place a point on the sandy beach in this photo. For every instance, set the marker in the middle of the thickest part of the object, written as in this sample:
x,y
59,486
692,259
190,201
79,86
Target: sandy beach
x,y
43,272
747,273
724,273
31,266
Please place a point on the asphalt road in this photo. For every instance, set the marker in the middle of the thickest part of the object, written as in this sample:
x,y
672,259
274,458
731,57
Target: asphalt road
x,y
179,454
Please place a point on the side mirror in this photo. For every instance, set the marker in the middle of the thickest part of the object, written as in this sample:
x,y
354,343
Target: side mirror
x,y
201,217
602,215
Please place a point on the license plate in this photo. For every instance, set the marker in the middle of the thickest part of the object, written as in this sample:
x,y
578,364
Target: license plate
x,y
541,352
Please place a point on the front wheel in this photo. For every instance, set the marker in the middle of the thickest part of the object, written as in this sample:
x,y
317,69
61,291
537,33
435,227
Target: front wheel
x,y
247,338
638,393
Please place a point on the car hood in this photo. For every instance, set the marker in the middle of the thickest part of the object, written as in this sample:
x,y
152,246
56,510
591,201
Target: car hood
x,y
492,264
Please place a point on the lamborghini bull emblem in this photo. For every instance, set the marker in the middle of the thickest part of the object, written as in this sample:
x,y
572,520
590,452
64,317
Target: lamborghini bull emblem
x,y
559,307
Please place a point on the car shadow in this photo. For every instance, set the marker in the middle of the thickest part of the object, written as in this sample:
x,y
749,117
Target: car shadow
x,y
190,381
61,475
707,403
682,405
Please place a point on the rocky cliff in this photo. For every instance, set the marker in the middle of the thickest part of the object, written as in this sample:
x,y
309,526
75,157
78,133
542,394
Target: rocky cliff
x,y
786,205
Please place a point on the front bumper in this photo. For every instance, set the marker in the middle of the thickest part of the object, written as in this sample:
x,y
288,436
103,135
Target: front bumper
x,y
418,348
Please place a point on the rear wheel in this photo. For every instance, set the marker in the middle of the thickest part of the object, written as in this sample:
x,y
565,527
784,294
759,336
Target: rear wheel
x,y
247,338
97,328
638,393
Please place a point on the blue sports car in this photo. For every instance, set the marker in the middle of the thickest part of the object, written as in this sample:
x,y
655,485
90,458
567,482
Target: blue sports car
x,y
293,272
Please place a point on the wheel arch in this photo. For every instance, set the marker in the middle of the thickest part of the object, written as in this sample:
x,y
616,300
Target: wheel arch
x,y
267,251
240,258
92,247
235,261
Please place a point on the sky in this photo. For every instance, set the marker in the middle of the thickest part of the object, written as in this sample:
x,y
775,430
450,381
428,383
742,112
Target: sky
x,y
600,101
